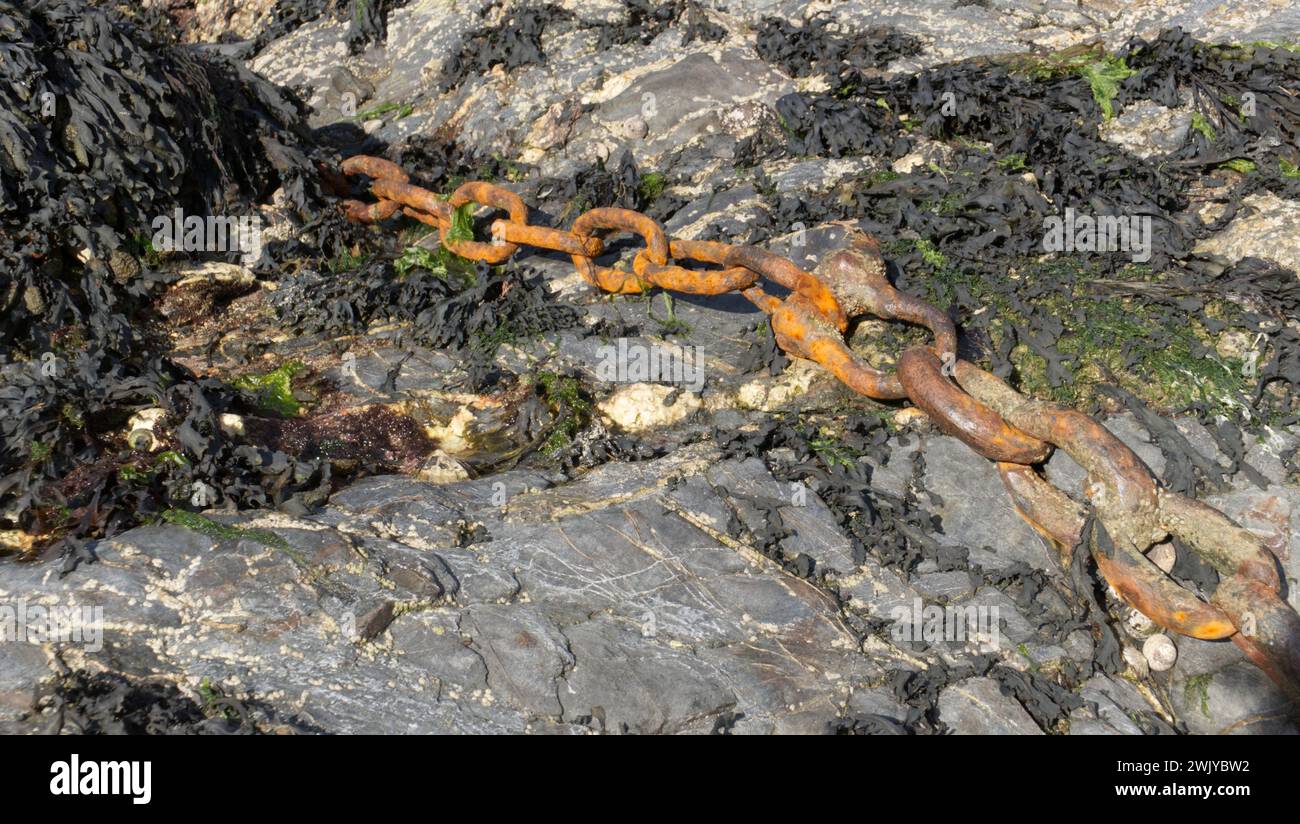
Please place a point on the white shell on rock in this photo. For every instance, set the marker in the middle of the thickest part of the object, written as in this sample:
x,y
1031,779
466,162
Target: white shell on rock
x,y
1160,652
1136,661
140,434
1140,624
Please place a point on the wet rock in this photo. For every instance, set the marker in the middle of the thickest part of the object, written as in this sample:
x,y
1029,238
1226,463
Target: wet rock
x,y
441,468
610,603
1215,692
687,99
554,128
385,373
731,211
24,669
1014,628
947,585
1163,556
810,526
215,18
927,153
975,509
1206,19
881,592
877,702
523,652
641,406
1148,129
946,32
814,174
1110,706
774,394
1266,227
977,706
421,37
621,683
308,58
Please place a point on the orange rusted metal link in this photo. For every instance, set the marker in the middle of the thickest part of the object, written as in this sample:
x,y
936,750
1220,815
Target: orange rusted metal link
x,y
963,417
1249,592
1148,590
801,330
1270,629
1131,511
359,212
625,220
1138,581
485,194
715,282
544,237
1119,486
704,251
1246,606
1119,483
679,279
413,197
1227,547
777,269
765,302
374,167
1134,514
856,275
1053,514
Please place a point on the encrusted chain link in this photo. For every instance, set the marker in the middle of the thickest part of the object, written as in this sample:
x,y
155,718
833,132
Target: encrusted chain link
x,y
1127,510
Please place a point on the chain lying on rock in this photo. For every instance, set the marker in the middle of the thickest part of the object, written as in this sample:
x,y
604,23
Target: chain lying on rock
x,y
1127,510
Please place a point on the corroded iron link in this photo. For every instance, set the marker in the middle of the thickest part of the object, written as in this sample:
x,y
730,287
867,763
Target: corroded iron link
x,y
486,194
733,279
413,197
1273,640
961,416
544,237
856,276
1138,581
1133,513
818,295
1246,607
359,212
690,281
374,167
1128,511
623,220
1120,485
801,330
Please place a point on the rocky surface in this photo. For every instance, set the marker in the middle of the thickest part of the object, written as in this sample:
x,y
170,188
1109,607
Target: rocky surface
x,y
617,602
682,104
1267,227
608,604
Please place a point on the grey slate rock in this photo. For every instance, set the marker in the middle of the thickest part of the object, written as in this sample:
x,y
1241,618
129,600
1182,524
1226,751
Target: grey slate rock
x,y
977,706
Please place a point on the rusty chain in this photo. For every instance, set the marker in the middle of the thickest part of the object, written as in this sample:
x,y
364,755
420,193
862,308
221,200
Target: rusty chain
x,y
1127,510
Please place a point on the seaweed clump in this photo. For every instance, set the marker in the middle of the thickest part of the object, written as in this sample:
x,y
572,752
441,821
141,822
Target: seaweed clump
x,y
106,703
992,148
502,305
103,129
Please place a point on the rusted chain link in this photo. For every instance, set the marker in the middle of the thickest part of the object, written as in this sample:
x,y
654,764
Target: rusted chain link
x,y
1127,511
